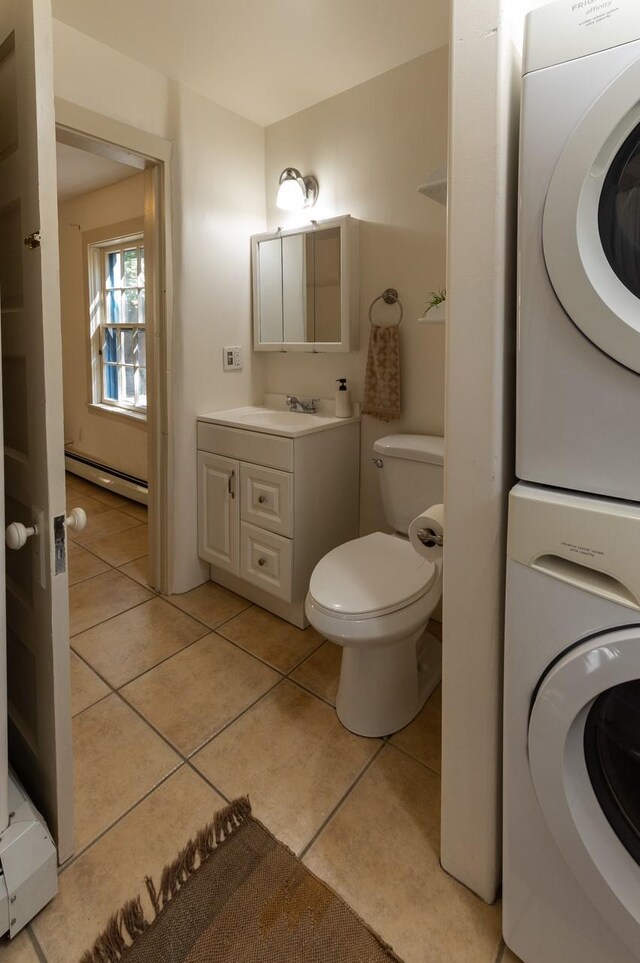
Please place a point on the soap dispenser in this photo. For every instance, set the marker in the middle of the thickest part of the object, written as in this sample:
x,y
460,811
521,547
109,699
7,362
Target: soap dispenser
x,y
343,399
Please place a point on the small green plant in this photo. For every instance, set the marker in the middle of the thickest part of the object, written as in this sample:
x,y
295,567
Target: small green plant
x,y
435,298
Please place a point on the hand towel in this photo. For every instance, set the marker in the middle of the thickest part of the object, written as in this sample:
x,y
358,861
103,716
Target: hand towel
x,y
382,377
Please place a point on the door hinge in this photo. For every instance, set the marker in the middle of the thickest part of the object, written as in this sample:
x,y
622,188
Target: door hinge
x,y
33,241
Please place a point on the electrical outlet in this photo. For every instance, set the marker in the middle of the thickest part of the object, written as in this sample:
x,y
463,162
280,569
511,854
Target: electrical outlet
x,y
232,358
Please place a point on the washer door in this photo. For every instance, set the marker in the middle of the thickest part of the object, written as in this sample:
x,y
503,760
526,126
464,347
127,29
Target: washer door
x,y
584,756
591,223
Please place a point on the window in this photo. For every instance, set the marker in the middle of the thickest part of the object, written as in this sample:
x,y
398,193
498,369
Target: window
x,y
118,335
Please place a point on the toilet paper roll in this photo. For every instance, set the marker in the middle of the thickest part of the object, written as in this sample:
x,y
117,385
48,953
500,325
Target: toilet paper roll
x,y
426,533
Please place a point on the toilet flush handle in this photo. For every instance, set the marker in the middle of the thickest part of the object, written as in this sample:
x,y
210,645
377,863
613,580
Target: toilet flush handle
x,y
378,462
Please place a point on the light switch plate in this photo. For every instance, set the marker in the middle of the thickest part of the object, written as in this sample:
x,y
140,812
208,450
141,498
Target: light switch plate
x,y
232,358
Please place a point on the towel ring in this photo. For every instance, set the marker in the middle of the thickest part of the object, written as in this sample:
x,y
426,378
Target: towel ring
x,y
390,296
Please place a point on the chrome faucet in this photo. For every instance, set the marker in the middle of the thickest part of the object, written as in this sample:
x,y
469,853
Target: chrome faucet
x,y
305,405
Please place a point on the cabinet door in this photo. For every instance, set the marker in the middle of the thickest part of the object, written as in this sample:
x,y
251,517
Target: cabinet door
x,y
218,514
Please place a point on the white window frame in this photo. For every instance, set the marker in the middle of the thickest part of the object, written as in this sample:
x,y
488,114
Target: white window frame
x,y
97,279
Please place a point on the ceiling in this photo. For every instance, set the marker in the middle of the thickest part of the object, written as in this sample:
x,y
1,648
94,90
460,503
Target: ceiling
x,y
264,59
80,172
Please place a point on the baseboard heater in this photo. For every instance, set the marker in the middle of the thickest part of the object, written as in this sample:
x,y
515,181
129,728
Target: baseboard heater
x,y
111,478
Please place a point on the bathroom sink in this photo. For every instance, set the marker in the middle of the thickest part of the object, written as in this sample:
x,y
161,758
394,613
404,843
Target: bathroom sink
x,y
274,421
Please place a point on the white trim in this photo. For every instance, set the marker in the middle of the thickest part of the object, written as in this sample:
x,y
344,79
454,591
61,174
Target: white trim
x,y
131,413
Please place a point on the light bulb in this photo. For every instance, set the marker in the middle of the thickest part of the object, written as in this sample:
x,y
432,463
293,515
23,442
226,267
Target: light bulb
x,y
291,196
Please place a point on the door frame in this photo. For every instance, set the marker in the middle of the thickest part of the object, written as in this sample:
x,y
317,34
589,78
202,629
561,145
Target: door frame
x,y
98,134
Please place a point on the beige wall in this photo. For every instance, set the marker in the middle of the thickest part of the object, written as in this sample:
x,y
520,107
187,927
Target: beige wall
x,y
370,147
217,203
111,439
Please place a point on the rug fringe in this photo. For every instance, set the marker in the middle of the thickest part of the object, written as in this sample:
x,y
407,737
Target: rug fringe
x,y
111,946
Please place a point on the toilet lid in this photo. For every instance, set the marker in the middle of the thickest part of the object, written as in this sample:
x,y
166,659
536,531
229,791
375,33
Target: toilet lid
x,y
370,576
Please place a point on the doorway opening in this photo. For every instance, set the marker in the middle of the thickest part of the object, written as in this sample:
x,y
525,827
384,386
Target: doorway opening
x,y
113,270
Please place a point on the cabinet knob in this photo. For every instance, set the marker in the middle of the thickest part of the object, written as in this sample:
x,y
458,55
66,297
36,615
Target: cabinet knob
x,y
262,499
261,562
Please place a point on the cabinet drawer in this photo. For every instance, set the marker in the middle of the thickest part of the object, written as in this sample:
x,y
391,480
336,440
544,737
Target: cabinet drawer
x,y
265,560
267,498
253,446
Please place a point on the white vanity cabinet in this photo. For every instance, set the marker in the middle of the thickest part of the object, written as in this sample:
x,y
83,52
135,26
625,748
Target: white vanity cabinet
x,y
270,506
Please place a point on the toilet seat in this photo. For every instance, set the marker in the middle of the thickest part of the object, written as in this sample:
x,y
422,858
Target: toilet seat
x,y
369,577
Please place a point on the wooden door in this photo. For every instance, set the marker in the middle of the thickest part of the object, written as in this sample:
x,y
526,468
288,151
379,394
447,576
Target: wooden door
x,y
36,580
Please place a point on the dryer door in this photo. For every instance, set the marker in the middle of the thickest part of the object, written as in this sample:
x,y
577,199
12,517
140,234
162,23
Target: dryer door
x,y
591,224
584,756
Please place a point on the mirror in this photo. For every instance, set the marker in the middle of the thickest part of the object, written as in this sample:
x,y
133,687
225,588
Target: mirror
x,y
305,293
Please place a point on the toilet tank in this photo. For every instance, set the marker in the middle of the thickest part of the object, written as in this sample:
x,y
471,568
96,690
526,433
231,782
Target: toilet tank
x,y
411,475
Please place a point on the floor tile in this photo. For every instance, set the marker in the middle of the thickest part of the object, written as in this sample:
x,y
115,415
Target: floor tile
x,y
113,869
135,509
107,523
102,597
195,693
129,644
76,484
321,671
381,853
86,687
210,603
123,547
423,736
82,564
115,500
89,504
18,950
271,639
117,759
294,759
138,570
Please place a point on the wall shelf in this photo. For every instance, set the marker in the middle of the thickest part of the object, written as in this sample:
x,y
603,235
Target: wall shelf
x,y
436,315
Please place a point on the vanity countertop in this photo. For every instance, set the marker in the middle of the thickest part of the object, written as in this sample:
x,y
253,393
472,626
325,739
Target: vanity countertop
x,y
276,421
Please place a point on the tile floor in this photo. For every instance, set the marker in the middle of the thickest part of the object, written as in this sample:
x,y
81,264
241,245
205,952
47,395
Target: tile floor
x,y
182,703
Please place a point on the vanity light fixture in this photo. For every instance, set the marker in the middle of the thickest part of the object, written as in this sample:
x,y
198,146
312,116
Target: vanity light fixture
x,y
295,191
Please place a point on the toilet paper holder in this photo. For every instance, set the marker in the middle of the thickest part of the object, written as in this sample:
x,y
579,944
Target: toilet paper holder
x,y
430,538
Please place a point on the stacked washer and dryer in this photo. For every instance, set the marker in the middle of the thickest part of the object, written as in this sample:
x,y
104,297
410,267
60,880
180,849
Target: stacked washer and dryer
x,y
572,640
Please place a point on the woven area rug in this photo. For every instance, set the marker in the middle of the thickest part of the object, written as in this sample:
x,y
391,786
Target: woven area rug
x,y
237,895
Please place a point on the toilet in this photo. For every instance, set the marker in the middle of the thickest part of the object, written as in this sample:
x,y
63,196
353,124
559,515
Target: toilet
x,y
374,597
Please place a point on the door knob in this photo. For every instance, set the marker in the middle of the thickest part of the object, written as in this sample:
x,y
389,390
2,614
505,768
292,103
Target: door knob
x,y
16,535
77,519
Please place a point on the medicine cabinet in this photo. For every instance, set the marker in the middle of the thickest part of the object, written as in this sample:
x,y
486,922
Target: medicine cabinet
x,y
305,287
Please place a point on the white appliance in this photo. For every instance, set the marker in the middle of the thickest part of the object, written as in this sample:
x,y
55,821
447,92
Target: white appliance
x,y
28,861
571,884
578,423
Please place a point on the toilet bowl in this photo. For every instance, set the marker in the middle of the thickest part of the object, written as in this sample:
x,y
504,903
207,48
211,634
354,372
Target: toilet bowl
x,y
374,597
